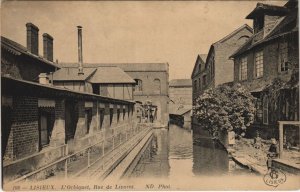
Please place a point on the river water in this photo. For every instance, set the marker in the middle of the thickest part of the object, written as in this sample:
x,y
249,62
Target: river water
x,y
178,151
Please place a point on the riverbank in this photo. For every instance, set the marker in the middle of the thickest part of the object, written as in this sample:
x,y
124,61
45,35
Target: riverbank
x,y
246,155
254,158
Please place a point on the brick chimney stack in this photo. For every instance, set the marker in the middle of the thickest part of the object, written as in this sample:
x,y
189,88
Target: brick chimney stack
x,y
32,38
48,46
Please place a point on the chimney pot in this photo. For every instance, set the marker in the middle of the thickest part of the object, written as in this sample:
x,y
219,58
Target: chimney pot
x,y
48,46
32,38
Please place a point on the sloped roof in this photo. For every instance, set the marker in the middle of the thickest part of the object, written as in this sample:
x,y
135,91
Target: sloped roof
x,y
18,49
268,9
110,75
71,74
127,67
180,83
180,110
245,26
203,57
285,25
200,58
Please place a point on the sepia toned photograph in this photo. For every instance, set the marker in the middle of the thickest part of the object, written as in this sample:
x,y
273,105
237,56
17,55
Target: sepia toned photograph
x,y
150,95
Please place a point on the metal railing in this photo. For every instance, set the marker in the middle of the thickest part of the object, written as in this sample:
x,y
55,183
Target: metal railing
x,y
79,161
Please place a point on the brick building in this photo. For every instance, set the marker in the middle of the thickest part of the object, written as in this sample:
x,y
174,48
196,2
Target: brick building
x,y
180,91
25,62
216,68
271,53
197,75
42,123
152,83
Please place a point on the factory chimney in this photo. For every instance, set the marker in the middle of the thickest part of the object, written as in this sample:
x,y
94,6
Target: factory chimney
x,y
80,60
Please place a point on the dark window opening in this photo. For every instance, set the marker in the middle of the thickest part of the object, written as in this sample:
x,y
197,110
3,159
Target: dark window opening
x,y
71,119
46,123
96,89
204,80
101,116
259,112
111,114
88,119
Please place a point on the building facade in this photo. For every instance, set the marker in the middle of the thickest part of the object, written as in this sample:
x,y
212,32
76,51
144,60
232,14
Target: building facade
x,y
270,59
42,123
152,84
216,68
180,92
197,77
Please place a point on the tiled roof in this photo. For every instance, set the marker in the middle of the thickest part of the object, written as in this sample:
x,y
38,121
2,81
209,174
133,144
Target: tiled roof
x,y
110,75
285,25
127,67
19,49
180,83
71,74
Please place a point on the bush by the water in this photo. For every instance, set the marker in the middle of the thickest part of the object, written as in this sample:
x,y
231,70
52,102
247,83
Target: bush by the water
x,y
226,107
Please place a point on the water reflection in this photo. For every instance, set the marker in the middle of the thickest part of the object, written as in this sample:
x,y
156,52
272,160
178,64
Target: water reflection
x,y
179,152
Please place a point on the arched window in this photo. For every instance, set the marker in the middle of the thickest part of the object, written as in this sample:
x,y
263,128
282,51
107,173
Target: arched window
x,y
138,85
157,86
243,39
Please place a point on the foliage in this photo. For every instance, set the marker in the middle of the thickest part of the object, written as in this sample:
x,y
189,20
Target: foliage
x,y
227,107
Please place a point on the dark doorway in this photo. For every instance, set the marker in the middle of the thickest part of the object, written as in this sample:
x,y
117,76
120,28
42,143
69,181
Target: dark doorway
x,y
6,122
71,119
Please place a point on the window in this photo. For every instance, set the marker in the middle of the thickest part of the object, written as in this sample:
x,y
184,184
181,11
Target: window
x,y
199,85
213,67
243,69
204,80
265,110
96,89
259,64
283,56
157,86
138,85
195,85
259,112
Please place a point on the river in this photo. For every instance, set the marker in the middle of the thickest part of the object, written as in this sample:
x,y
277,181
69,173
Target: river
x,y
178,151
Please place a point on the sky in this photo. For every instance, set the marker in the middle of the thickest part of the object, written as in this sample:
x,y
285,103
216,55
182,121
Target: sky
x,y
131,31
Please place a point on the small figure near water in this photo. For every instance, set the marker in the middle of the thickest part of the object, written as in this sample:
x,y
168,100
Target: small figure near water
x,y
272,153
257,141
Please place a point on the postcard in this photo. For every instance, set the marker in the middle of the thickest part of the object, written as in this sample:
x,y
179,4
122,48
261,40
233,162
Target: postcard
x,y
150,95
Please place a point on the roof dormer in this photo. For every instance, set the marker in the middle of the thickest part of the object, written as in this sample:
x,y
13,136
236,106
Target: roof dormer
x,y
264,16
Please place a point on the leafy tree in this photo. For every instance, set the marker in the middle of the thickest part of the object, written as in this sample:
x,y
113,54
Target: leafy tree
x,y
227,107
